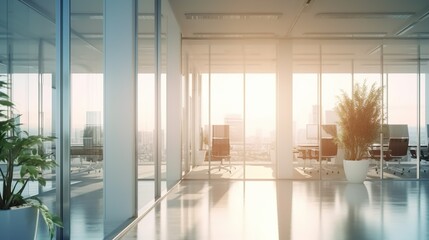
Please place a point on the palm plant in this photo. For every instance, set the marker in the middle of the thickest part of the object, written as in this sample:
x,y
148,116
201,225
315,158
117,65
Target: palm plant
x,y
23,152
359,120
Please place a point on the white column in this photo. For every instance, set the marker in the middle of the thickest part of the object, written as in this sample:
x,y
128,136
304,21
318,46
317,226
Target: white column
x,y
119,112
284,111
174,99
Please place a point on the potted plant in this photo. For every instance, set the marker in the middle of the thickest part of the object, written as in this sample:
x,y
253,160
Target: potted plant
x,y
22,160
359,124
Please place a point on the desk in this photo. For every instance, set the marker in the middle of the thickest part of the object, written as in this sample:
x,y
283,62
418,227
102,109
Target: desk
x,y
376,153
90,158
326,151
304,152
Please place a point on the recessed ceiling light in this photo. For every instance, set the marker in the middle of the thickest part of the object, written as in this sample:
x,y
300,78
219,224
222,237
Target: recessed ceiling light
x,y
234,35
368,15
347,34
99,16
420,34
232,16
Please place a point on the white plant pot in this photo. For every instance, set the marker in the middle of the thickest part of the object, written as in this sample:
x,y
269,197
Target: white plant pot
x,y
18,223
356,171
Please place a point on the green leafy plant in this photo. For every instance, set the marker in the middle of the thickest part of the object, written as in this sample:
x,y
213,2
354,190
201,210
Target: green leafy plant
x,y
23,152
359,120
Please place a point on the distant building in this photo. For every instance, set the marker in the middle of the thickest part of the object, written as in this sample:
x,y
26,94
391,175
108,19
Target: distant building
x,y
236,127
93,132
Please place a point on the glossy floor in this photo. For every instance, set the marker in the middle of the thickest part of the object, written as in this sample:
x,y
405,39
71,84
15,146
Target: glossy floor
x,y
198,209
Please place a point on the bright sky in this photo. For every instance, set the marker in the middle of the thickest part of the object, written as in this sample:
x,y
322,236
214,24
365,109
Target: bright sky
x,y
227,98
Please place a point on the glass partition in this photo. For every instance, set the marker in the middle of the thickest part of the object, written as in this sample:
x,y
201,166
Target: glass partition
x,y
337,78
146,104
86,83
401,94
424,118
234,87
197,109
260,111
396,61
367,69
306,68
28,64
162,100
260,124
226,109
331,165
321,71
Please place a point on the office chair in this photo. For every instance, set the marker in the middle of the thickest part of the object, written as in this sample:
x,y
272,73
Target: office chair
x,y
424,156
221,152
396,151
328,150
221,148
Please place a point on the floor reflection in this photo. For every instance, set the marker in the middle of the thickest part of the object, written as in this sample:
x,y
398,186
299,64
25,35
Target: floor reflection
x,y
200,209
87,204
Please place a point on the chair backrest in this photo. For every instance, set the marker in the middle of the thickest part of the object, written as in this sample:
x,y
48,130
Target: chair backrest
x,y
398,147
220,147
329,147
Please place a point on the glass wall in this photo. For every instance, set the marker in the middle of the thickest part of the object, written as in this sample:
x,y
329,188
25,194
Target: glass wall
x,y
305,83
28,33
367,69
336,78
234,86
226,101
27,62
162,98
146,103
226,108
391,64
401,94
259,111
260,121
86,82
197,111
321,71
424,102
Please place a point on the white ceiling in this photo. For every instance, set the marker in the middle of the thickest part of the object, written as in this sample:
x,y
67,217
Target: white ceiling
x,y
302,18
347,32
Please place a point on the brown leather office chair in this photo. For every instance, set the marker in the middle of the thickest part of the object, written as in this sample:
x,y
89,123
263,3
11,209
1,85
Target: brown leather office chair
x,y
328,151
397,150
